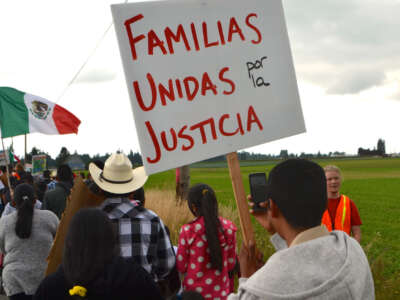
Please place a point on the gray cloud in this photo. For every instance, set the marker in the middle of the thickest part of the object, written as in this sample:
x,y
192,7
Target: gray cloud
x,y
344,46
356,81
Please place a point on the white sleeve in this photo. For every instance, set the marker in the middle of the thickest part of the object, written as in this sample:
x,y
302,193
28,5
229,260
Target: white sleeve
x,y
7,210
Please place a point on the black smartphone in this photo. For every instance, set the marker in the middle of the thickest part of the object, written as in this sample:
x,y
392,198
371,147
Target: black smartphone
x,y
258,190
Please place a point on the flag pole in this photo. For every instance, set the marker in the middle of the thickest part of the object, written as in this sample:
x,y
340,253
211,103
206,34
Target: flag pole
x,y
25,162
11,158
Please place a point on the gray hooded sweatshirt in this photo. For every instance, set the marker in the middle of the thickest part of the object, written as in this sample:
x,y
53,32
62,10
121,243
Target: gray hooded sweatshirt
x,y
325,266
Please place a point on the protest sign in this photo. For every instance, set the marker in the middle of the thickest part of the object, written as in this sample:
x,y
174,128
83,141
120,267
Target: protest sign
x,y
38,164
4,159
206,78
28,167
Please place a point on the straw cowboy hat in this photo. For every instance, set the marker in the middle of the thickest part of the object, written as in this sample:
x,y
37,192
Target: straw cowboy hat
x,y
118,177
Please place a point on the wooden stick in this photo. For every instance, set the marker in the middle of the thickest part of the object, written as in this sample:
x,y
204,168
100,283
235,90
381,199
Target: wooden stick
x,y
25,162
240,197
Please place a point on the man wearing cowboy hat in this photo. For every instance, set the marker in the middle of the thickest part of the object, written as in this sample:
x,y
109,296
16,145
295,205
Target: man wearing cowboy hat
x,y
142,234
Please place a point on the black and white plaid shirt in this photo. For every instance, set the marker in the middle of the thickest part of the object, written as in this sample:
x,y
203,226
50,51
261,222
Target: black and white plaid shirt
x,y
142,236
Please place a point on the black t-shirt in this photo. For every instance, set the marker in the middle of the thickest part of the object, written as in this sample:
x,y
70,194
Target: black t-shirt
x,y
123,279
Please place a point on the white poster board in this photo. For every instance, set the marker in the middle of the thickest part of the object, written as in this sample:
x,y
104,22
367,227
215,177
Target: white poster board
x,y
4,158
206,78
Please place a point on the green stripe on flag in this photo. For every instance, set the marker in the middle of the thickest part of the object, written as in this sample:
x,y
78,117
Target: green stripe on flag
x,y
14,119
11,157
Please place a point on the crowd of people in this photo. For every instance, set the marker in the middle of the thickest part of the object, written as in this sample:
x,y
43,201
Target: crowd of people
x,y
122,250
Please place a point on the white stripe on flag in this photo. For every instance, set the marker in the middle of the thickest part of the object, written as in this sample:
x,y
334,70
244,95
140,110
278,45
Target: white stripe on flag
x,y
40,113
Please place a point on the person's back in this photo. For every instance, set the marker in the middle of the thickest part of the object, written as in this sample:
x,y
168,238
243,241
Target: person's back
x,y
207,246
55,200
310,263
122,279
24,253
329,267
92,267
26,237
142,234
10,208
40,189
46,177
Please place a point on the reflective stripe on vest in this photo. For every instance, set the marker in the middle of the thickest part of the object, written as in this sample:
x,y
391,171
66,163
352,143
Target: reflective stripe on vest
x,y
342,218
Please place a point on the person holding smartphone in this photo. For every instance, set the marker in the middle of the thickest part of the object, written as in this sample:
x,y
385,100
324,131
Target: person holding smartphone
x,y
311,263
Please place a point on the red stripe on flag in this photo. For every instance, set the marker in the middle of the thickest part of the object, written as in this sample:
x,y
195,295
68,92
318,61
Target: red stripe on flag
x,y
65,121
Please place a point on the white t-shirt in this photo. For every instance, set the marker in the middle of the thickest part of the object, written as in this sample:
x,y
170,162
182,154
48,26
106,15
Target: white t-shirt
x,y
10,209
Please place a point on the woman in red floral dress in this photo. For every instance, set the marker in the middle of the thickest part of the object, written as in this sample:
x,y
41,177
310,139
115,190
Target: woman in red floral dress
x,y
207,247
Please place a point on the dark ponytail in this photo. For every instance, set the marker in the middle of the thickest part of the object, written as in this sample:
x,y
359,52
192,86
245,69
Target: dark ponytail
x,y
203,198
24,198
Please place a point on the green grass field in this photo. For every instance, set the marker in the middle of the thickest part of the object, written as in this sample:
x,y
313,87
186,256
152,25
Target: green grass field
x,y
373,184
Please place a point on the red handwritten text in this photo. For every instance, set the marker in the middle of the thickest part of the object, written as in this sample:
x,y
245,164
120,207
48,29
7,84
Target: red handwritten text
x,y
182,137
187,88
191,38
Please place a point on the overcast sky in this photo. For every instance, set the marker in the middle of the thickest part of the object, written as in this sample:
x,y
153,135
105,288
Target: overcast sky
x,y
346,55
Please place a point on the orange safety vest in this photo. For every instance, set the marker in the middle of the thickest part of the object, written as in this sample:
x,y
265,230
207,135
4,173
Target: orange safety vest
x,y
16,175
342,218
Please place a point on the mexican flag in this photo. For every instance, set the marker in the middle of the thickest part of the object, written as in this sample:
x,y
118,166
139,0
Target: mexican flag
x,y
13,157
22,113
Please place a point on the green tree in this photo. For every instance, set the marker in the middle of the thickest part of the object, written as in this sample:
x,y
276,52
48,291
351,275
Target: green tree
x,y
284,154
381,147
34,151
135,158
63,156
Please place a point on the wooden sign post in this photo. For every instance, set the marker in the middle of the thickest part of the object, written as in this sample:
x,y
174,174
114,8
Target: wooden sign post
x,y
240,197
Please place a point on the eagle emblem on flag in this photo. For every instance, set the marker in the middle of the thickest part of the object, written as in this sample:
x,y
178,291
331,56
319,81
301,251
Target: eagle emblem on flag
x,y
39,109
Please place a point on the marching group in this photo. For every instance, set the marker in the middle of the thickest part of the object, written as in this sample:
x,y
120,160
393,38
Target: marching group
x,y
121,250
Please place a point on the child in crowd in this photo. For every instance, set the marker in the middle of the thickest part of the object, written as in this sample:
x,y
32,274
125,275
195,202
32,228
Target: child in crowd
x,y
207,246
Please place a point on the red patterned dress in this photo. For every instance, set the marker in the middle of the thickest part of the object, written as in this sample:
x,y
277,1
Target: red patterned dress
x,y
193,259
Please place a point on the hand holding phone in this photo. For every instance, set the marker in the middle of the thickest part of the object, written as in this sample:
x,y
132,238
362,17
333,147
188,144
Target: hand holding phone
x,y
258,190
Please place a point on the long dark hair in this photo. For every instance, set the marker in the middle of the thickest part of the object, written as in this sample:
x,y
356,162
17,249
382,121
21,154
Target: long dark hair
x,y
24,197
202,197
90,245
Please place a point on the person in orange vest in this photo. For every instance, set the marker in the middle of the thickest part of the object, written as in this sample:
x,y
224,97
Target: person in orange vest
x,y
342,213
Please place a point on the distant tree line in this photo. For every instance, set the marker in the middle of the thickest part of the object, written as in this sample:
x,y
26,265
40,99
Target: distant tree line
x,y
136,158
64,155
380,150
284,154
